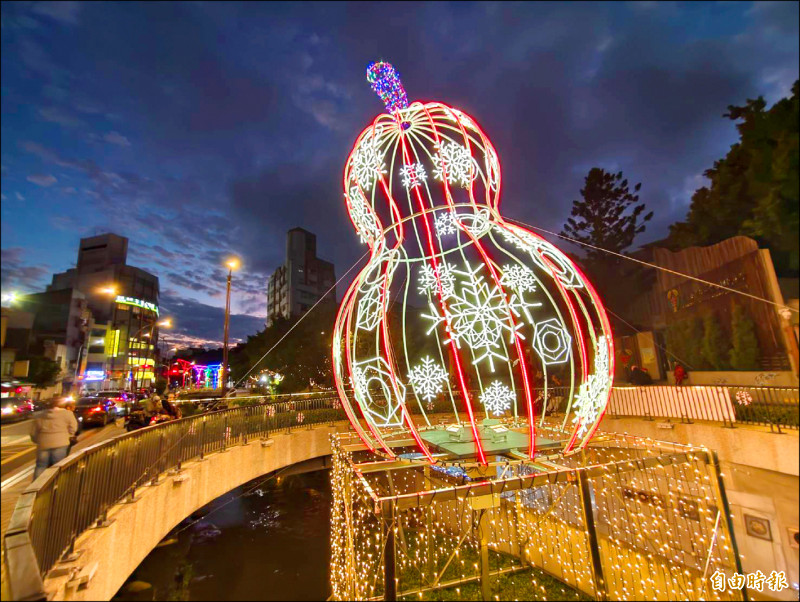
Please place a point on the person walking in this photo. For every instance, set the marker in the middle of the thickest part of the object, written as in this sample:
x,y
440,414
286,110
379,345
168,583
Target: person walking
x,y
69,405
51,433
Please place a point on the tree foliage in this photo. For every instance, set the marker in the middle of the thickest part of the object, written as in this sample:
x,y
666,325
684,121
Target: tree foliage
x,y
715,346
753,190
744,351
303,356
43,372
684,340
608,216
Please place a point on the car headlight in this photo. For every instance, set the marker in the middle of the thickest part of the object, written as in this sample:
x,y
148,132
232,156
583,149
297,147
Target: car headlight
x,y
9,409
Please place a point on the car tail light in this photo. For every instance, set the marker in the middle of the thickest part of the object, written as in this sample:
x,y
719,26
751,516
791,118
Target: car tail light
x,y
96,409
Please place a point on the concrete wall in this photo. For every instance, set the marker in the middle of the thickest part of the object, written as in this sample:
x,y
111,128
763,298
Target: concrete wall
x,y
111,553
760,470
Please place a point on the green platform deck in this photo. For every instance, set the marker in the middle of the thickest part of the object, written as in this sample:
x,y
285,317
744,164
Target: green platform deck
x,y
492,444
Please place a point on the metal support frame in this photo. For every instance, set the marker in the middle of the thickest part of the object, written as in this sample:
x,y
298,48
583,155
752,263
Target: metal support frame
x,y
591,531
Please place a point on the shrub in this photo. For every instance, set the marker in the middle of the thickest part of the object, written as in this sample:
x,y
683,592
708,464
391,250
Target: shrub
x,y
715,347
744,351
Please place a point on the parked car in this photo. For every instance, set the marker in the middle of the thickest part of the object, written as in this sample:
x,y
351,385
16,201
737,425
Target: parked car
x,y
95,410
16,408
122,400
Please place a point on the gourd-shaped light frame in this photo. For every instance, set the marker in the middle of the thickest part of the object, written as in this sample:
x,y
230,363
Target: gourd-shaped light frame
x,y
503,309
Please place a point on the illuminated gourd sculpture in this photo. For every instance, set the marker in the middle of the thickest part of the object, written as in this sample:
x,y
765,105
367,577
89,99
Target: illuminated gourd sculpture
x,y
503,308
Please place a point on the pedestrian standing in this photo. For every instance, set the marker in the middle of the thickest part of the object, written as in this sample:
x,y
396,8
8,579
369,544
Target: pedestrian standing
x,y
69,405
51,433
680,374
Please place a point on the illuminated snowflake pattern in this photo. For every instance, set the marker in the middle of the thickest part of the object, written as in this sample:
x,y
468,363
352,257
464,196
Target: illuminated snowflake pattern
x,y
428,379
371,289
445,223
479,316
593,393
545,255
363,217
427,279
519,278
552,342
455,164
743,398
413,175
380,395
367,162
476,224
497,398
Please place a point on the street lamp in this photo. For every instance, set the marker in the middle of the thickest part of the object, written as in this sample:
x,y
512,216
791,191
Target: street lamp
x,y
232,264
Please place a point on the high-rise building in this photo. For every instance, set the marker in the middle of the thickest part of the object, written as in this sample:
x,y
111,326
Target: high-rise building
x,y
123,300
302,280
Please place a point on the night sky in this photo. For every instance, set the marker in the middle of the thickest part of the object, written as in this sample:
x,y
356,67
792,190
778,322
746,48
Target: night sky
x,y
199,130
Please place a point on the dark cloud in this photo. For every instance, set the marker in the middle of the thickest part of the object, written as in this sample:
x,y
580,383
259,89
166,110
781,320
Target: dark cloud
x,y
204,130
18,275
206,322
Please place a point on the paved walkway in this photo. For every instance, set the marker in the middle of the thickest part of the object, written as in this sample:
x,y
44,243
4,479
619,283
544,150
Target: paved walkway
x,y
21,477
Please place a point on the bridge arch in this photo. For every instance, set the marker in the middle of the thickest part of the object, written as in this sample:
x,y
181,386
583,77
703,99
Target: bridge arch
x,y
84,525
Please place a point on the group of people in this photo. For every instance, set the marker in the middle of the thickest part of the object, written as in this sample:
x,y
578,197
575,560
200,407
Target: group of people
x,y
158,409
55,430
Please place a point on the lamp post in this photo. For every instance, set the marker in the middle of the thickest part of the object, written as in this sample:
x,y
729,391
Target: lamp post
x,y
111,291
232,265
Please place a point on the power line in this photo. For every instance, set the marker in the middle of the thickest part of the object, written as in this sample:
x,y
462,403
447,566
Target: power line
x,y
303,317
652,265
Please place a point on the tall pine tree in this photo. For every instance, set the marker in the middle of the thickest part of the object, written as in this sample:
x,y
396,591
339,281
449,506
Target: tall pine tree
x,y
609,216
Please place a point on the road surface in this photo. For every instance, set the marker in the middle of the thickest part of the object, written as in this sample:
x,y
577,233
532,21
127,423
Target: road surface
x,y
18,451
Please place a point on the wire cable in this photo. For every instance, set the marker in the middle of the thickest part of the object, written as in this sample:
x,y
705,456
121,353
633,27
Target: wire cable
x,y
303,317
652,265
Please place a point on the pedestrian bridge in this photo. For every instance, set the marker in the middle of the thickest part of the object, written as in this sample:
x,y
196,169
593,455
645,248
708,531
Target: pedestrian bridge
x,y
81,529
84,525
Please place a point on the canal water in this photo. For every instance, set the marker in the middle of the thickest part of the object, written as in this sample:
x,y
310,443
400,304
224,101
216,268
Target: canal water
x,y
267,540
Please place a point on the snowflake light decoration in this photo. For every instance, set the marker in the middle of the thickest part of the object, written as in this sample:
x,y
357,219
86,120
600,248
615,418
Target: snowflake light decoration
x,y
593,392
519,278
364,219
374,387
367,162
379,276
455,164
551,342
477,223
743,398
413,175
545,255
479,316
428,378
497,398
445,223
427,279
